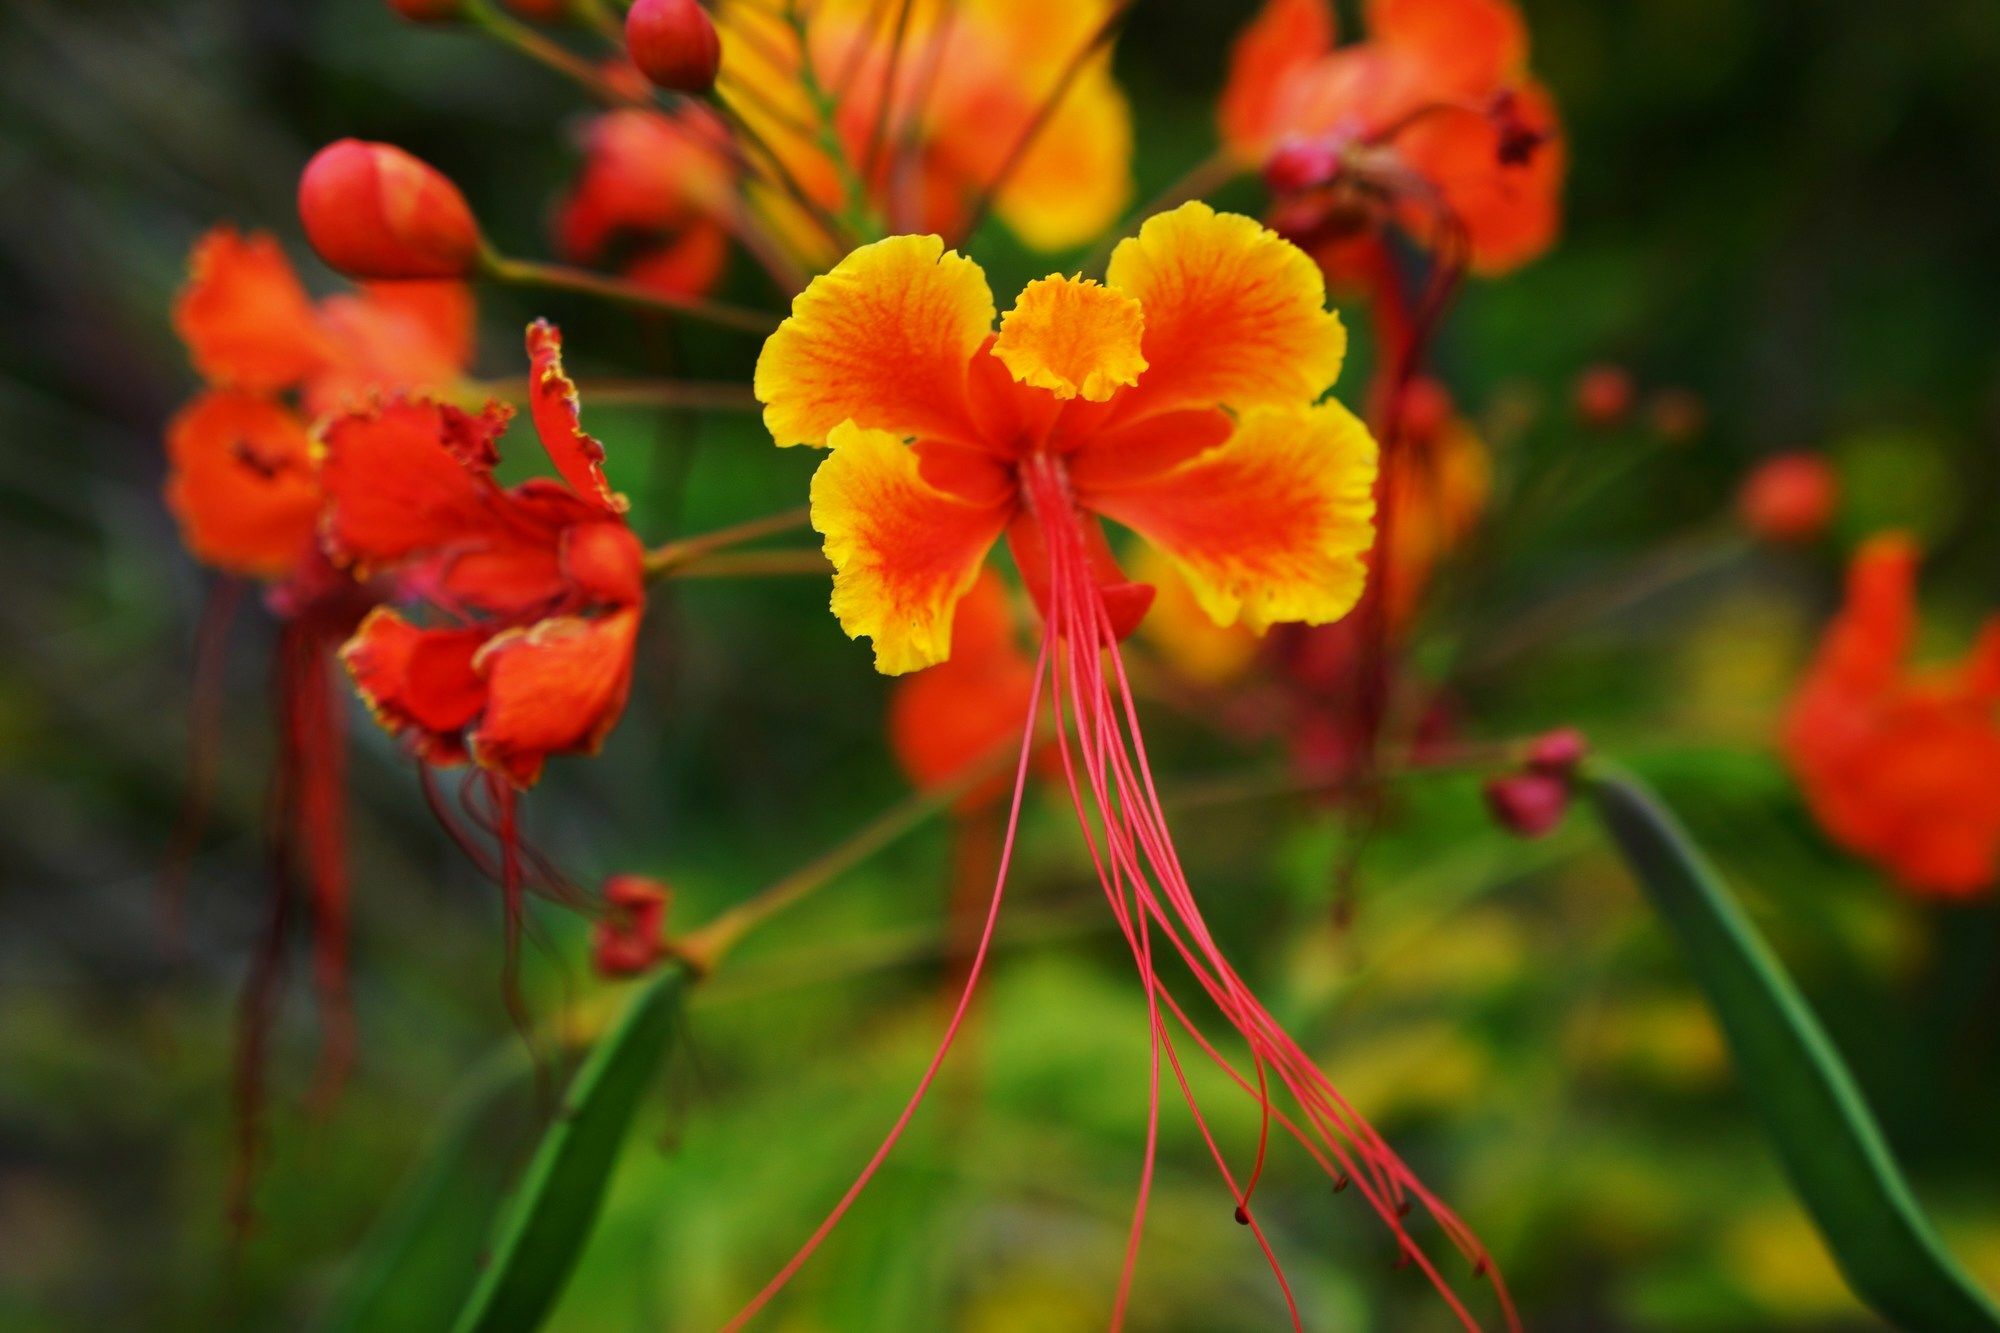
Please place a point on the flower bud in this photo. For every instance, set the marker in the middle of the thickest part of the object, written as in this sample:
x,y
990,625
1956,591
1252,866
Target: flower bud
x,y
1789,498
429,11
1529,805
1604,397
674,43
373,211
1558,752
1302,164
631,935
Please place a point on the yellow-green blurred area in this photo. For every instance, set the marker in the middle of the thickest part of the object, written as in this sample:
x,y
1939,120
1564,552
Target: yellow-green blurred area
x,y
1782,208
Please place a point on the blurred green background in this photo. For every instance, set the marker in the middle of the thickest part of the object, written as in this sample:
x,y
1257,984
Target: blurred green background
x,y
1784,208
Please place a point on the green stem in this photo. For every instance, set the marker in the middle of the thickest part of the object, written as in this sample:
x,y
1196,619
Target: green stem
x,y
669,557
561,277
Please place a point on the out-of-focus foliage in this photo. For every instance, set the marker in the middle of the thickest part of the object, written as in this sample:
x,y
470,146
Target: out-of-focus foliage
x,y
1775,206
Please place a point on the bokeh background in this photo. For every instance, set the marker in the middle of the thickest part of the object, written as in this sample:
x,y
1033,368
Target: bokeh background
x,y
1781,208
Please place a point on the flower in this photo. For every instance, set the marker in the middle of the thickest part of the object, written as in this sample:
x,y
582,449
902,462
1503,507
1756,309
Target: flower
x,y
1897,765
1179,398
966,85
674,43
1176,398
536,590
630,938
655,194
1432,116
1789,497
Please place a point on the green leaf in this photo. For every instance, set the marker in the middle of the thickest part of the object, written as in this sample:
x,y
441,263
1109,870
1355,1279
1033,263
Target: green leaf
x,y
556,1205
413,1271
1824,1133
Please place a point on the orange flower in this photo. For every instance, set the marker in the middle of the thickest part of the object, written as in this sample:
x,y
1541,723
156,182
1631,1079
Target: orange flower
x,y
1104,398
965,85
1433,111
539,588
1898,765
241,478
654,194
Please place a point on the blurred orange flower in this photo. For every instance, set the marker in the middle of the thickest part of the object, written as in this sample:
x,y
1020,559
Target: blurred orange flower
x,y
1433,114
934,107
539,588
1789,497
1898,765
655,197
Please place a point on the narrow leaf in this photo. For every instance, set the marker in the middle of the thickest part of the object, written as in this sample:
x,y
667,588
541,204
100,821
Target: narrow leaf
x,y
1824,1133
556,1204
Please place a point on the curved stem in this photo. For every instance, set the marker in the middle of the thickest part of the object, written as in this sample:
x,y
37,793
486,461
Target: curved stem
x,y
669,557
753,564
510,31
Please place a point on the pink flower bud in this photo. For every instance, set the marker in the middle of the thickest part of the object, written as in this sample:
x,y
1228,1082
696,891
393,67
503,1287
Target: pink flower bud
x,y
1529,805
674,43
1302,164
373,211
1557,753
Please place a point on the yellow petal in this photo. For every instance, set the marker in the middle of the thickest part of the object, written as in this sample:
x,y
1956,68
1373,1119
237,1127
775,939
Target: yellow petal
x,y
883,340
1235,314
1072,336
903,551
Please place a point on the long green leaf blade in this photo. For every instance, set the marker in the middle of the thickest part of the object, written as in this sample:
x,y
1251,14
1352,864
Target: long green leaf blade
x,y
1824,1133
556,1205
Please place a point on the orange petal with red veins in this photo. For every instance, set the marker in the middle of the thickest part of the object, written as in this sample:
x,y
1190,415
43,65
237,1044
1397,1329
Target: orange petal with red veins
x,y
552,402
1073,337
245,318
1235,314
1286,36
883,340
558,687
242,483
903,550
1122,454
421,684
1270,526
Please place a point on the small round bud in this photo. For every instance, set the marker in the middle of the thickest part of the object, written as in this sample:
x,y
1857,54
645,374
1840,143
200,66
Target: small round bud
x,y
1529,805
631,935
674,43
1302,164
373,211
1558,752
1789,498
1604,396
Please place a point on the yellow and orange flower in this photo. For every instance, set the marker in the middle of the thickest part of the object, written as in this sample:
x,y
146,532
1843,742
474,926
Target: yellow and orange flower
x,y
932,115
1179,398
242,480
1434,110
1898,765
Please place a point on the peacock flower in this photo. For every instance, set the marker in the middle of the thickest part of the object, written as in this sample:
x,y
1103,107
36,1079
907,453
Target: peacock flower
x,y
654,198
1180,398
244,484
1897,764
533,593
935,108
1431,122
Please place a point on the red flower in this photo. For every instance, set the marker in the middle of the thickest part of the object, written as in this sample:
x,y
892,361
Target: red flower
x,y
1898,766
655,194
536,591
631,935
1789,497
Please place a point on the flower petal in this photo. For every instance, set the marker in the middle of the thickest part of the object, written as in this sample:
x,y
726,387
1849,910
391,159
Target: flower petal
x,y
552,402
1076,177
1286,36
903,551
1511,210
882,340
558,687
1235,314
242,483
408,477
1271,525
1073,337
421,684
1463,48
245,318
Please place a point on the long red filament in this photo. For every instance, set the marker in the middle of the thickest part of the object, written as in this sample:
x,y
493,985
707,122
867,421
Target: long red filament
x,y
211,642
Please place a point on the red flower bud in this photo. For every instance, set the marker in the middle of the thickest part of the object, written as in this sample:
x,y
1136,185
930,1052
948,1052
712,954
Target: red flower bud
x,y
631,935
429,11
373,211
1530,805
1557,753
1604,397
1789,498
674,43
1302,164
